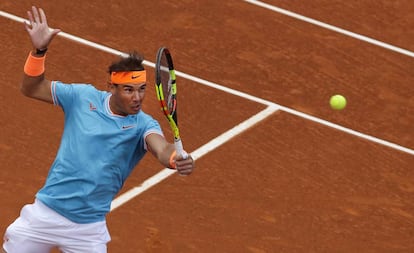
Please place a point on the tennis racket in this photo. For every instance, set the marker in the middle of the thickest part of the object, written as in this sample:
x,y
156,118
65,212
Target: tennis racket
x,y
166,89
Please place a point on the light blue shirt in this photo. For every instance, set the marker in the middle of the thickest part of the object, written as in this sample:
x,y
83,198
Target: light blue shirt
x,y
97,153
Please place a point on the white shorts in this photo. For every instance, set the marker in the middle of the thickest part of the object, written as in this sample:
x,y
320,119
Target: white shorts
x,y
39,229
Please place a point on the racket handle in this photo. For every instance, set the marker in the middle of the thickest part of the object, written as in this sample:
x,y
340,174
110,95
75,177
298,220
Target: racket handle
x,y
179,148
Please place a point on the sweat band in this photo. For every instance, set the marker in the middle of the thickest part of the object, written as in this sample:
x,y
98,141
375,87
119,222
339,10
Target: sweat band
x,y
130,77
34,66
172,163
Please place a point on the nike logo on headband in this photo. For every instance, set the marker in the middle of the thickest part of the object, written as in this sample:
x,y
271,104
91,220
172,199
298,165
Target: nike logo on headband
x,y
124,77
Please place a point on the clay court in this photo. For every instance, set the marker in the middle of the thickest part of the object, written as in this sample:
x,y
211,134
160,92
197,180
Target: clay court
x,y
277,169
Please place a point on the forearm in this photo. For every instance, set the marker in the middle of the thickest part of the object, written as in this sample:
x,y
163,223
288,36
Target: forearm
x,y
164,157
34,84
160,148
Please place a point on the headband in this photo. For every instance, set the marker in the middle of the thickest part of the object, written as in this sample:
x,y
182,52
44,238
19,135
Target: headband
x,y
130,77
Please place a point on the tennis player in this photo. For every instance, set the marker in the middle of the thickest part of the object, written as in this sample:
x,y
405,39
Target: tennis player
x,y
105,135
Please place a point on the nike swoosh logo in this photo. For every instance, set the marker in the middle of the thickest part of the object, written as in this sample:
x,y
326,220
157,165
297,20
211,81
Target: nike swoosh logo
x,y
128,127
133,77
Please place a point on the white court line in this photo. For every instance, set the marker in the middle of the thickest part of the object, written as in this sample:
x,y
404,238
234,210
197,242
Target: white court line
x,y
196,154
272,107
331,27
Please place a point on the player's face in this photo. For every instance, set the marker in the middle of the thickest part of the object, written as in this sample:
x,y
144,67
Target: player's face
x,y
127,98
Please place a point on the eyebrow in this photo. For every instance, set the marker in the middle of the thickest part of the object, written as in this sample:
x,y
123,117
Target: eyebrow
x,y
132,87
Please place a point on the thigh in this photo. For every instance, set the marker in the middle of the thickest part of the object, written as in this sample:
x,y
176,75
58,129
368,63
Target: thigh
x,y
86,248
38,229
20,238
86,238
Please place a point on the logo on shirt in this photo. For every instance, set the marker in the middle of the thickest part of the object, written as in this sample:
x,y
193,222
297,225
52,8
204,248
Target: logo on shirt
x,y
128,127
92,107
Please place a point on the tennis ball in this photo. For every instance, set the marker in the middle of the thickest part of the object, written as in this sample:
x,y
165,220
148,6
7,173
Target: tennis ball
x,y
337,102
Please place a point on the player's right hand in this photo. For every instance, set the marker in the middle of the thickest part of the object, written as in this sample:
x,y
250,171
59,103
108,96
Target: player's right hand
x,y
38,28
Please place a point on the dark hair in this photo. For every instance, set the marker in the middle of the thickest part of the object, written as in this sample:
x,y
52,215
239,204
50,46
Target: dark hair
x,y
133,62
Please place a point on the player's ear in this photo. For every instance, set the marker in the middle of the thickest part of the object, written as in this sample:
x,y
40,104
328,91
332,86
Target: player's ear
x,y
111,87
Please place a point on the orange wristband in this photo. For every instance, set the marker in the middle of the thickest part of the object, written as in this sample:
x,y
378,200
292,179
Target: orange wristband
x,y
34,66
172,163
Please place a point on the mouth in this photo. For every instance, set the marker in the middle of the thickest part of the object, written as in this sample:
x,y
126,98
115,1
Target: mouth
x,y
136,108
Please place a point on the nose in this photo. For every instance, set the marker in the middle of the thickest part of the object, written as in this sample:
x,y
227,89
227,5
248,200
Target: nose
x,y
136,96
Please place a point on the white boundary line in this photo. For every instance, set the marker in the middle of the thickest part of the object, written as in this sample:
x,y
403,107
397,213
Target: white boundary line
x,y
330,27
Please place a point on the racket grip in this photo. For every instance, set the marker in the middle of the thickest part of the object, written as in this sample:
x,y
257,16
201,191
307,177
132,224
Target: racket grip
x,y
179,149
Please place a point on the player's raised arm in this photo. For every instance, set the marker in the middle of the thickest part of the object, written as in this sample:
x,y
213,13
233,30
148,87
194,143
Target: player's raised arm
x,y
34,84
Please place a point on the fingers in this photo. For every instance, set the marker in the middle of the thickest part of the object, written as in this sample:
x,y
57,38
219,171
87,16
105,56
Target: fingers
x,y
42,16
36,15
27,26
29,15
184,171
185,167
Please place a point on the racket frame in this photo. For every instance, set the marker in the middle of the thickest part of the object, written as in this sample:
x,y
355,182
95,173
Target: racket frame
x,y
170,115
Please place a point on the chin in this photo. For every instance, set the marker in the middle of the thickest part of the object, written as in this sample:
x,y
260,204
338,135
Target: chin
x,y
134,111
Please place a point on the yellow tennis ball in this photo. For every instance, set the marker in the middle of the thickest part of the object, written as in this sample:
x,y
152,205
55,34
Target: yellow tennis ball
x,y
337,102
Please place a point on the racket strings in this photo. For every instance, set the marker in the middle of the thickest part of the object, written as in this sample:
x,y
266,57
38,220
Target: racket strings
x,y
167,83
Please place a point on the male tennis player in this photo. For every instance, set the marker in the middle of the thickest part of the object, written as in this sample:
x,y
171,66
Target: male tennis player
x,y
105,135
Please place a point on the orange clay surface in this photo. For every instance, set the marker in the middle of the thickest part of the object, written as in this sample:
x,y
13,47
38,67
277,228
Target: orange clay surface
x,y
285,185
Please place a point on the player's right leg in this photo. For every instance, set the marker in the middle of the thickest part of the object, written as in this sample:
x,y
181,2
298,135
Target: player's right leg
x,y
27,233
17,239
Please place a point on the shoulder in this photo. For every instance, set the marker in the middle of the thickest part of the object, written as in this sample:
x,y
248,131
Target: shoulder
x,y
72,91
147,121
80,88
144,117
